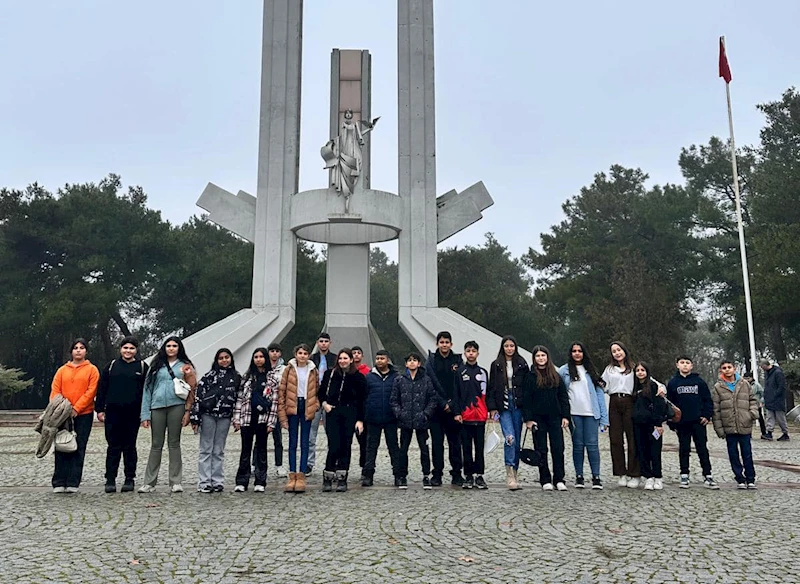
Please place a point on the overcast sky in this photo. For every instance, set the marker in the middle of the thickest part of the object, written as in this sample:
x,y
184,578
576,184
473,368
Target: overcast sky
x,y
533,98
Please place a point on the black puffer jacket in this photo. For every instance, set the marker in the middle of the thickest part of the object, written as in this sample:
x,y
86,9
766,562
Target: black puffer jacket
x,y
378,406
650,409
497,384
216,394
414,401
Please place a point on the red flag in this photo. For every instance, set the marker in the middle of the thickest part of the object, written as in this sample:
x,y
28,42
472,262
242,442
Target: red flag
x,y
724,68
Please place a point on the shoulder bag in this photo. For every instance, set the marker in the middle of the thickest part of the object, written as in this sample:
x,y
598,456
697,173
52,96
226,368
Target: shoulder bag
x,y
529,455
182,388
66,440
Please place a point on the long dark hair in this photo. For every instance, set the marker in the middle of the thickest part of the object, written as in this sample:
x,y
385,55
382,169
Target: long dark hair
x,y
516,358
338,368
215,366
643,386
549,377
627,361
160,360
587,363
252,371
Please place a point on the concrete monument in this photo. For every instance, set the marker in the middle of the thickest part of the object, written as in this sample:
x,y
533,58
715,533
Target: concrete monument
x,y
279,214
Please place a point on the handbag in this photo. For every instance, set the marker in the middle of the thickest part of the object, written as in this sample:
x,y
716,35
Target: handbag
x,y
66,440
673,412
181,388
528,455
493,440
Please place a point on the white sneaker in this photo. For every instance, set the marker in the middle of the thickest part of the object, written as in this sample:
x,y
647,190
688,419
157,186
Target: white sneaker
x,y
281,471
561,486
239,489
623,481
547,487
59,490
177,488
650,485
256,489
658,485
147,488
71,489
633,483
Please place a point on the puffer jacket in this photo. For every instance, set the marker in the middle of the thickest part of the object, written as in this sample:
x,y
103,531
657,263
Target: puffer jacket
x,y
287,393
414,401
378,407
734,411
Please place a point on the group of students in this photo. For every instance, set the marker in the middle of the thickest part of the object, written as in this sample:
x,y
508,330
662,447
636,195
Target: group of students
x,y
448,398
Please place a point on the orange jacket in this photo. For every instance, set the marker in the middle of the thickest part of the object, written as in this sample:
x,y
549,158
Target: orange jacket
x,y
77,383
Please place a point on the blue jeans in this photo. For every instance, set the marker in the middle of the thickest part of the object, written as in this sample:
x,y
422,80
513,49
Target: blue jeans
x,y
298,421
511,425
584,435
742,467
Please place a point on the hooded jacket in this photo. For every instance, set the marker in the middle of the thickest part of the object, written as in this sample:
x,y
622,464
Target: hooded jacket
x,y
692,396
378,404
287,393
649,410
734,411
775,389
414,401
77,383
473,383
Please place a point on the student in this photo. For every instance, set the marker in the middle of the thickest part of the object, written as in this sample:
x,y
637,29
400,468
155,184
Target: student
x,y
165,413
297,407
775,399
363,368
507,377
619,379
275,363
587,404
323,360
414,402
256,416
378,416
77,382
649,415
470,401
735,410
212,410
358,360
342,396
442,366
545,408
690,393
118,405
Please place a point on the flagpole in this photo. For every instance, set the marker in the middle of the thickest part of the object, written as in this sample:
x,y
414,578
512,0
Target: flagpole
x,y
742,249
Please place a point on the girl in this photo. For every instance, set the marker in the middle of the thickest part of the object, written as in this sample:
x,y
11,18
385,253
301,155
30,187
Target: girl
x,y
342,395
545,407
297,405
506,380
256,415
164,412
649,413
588,409
618,378
77,382
212,410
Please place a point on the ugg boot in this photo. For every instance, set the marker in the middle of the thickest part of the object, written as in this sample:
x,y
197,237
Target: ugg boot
x,y
341,481
291,483
300,482
327,480
511,478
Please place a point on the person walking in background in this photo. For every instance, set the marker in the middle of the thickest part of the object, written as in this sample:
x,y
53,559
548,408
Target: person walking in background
x,y
649,415
322,360
166,413
471,413
77,382
587,404
775,399
379,417
758,392
118,405
275,363
735,410
212,410
618,378
507,377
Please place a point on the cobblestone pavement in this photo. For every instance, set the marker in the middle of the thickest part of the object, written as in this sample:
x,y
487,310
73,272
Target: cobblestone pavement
x,y
383,535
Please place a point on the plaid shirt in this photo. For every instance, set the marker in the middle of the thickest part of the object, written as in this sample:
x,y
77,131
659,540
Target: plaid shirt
x,y
242,413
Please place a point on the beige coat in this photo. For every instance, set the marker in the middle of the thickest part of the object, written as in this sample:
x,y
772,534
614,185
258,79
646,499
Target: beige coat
x,y
734,411
287,393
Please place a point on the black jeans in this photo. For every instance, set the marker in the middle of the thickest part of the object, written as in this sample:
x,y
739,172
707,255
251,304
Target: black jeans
x,y
648,450
277,442
424,454
443,425
550,427
340,425
121,429
362,447
697,432
259,432
473,436
69,466
373,443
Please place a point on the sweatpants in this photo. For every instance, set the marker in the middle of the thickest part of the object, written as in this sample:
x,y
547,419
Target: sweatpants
x,y
121,429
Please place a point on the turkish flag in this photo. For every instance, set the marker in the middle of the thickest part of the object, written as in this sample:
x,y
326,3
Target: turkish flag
x,y
724,68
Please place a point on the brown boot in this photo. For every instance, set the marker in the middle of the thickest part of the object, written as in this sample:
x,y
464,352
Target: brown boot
x,y
511,479
300,482
291,483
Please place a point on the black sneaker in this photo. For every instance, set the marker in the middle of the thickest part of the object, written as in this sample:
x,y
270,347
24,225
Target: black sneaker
x,y
480,483
111,488
468,482
767,436
426,483
218,488
403,483
127,486
597,484
783,438
309,470
457,481
579,484
206,489
366,481
436,481
397,482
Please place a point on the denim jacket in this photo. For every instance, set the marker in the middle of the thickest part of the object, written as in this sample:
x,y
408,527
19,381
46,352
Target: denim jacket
x,y
597,395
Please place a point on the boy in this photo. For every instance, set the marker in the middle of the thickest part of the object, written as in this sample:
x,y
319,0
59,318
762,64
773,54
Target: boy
x,y
361,437
690,393
379,417
471,413
414,402
735,410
